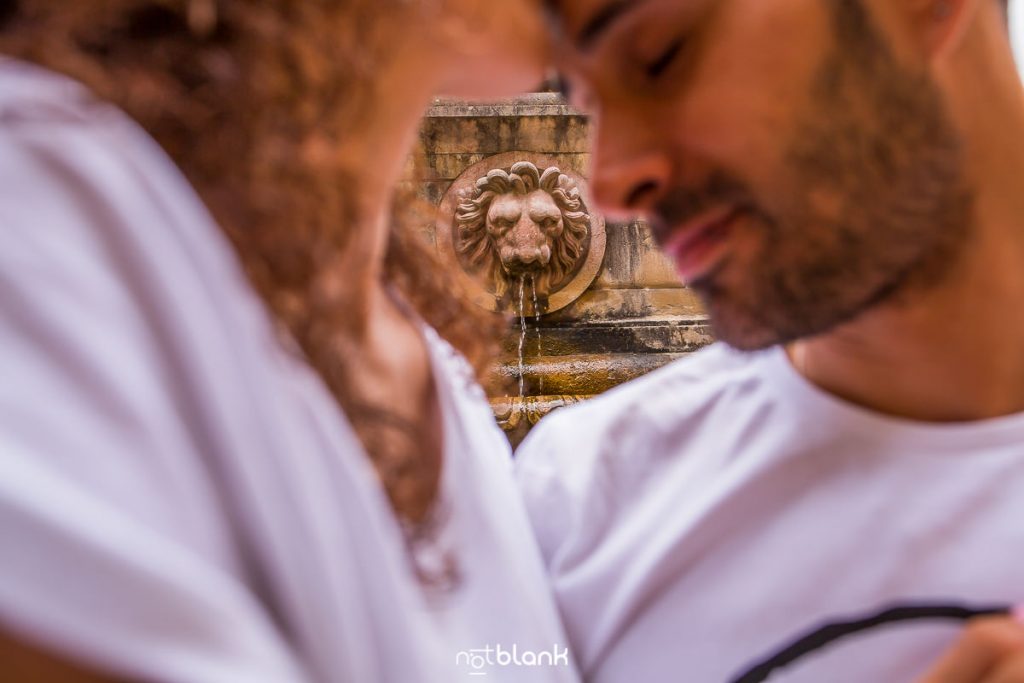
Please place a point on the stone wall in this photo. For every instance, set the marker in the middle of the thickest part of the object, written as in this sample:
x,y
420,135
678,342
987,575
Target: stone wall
x,y
630,318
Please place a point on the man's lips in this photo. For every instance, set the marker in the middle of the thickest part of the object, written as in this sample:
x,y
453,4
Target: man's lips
x,y
697,245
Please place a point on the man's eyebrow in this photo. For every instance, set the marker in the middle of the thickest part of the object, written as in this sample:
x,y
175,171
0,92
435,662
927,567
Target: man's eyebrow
x,y
600,22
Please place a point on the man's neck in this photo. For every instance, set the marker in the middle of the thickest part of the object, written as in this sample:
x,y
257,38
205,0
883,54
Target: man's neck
x,y
952,353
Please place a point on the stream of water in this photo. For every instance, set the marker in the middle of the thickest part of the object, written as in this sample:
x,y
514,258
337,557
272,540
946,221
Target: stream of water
x,y
522,334
536,324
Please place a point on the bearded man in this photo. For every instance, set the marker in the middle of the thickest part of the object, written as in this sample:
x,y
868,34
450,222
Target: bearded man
x,y
840,181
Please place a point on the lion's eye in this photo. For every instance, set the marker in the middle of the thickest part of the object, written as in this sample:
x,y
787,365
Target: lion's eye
x,y
501,225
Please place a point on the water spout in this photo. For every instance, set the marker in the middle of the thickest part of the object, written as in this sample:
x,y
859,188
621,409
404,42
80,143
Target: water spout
x,y
522,335
536,324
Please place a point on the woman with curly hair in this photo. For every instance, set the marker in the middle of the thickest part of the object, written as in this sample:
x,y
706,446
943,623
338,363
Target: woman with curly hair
x,y
239,436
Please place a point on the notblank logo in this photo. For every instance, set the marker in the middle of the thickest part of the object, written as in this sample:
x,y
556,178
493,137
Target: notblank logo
x,y
480,660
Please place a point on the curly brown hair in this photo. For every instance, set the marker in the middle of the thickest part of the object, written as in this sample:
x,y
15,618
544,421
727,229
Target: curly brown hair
x,y
246,96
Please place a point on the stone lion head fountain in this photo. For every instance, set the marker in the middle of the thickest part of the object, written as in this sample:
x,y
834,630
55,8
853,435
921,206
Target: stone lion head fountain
x,y
522,228
523,223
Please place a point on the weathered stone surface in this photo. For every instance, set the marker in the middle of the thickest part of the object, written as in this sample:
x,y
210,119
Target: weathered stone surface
x,y
598,305
582,373
515,229
646,336
544,135
517,415
635,316
632,257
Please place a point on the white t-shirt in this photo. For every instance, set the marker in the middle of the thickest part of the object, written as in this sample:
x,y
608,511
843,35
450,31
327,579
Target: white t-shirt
x,y
180,497
699,519
1016,11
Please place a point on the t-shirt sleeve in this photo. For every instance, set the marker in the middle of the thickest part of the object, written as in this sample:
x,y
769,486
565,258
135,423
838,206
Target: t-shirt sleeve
x,y
115,550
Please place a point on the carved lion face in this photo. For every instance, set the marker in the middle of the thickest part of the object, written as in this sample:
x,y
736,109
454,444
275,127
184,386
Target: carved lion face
x,y
523,228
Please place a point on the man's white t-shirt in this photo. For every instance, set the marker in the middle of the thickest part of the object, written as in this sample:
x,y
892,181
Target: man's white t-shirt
x,y
181,500
701,518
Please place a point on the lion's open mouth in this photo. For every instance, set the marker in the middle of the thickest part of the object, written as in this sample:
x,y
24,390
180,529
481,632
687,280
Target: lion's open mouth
x,y
525,261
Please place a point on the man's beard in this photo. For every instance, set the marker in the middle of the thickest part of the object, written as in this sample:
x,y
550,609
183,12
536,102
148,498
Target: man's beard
x,y
880,146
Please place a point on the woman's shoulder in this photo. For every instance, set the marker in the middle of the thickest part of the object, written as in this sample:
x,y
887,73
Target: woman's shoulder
x,y
31,93
83,162
94,214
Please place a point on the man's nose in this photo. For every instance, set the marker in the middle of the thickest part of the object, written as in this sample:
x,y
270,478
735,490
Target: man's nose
x,y
629,185
631,168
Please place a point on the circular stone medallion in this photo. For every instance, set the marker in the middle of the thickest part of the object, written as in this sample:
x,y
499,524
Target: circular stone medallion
x,y
515,229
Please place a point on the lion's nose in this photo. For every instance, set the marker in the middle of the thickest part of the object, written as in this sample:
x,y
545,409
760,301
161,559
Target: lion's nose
x,y
535,255
525,258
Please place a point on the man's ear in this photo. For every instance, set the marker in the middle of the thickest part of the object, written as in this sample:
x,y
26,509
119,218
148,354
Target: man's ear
x,y
940,25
